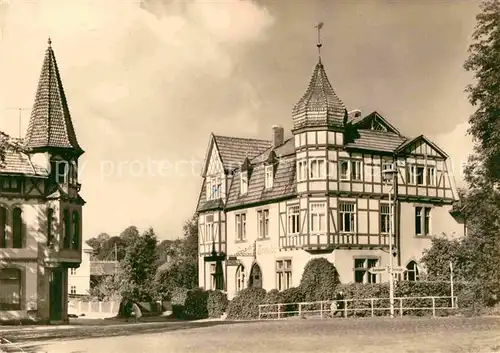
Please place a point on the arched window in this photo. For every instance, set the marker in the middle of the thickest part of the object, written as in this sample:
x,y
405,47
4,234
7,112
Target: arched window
x,y
411,273
67,229
50,231
3,227
17,228
240,278
76,231
10,287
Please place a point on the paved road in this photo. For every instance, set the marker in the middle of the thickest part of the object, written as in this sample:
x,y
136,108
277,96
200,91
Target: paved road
x,y
442,335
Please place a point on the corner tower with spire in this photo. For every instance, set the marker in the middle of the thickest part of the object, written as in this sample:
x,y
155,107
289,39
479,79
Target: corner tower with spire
x,y
40,205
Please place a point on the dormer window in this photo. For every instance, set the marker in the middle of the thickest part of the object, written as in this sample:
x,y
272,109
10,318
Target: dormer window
x,y
269,176
243,183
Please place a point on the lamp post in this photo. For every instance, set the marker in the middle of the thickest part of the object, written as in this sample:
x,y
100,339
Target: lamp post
x,y
389,177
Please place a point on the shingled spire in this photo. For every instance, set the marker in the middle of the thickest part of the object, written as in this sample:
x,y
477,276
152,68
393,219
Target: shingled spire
x,y
50,123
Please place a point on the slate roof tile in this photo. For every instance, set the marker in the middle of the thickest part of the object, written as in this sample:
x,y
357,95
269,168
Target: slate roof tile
x,y
377,141
16,160
233,150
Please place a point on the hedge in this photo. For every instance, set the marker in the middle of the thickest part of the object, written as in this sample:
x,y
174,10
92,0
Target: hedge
x,y
246,304
178,298
216,304
196,304
319,280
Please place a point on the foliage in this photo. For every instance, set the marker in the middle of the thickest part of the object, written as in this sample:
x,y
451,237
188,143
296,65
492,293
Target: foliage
x,y
196,304
246,304
483,62
437,258
169,251
216,304
172,275
129,235
108,288
190,244
139,268
178,299
319,280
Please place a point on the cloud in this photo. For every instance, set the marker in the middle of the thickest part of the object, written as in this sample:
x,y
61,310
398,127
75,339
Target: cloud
x,y
141,87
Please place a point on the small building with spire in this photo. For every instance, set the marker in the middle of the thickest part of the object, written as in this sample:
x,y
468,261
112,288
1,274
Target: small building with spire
x,y
267,207
40,207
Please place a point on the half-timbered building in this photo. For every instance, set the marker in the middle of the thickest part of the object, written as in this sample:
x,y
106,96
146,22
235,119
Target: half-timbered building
x,y
40,207
267,207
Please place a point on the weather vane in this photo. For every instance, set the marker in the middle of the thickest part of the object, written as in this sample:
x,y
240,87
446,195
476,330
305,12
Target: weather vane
x,y
319,44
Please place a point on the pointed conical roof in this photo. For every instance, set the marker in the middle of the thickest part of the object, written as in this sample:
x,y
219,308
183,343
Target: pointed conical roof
x,y
50,123
320,106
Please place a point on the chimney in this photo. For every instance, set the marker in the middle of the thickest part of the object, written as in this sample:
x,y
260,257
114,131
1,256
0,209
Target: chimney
x,y
278,135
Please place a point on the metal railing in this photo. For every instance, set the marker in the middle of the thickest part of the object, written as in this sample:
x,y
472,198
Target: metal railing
x,y
371,307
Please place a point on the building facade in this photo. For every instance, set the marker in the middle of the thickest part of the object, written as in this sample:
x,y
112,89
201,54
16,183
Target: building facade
x,y
79,278
40,207
267,207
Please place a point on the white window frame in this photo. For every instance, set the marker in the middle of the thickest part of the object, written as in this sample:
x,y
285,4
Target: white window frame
x,y
263,223
317,210
293,218
430,176
412,174
72,290
385,218
302,170
268,176
243,183
240,278
423,215
346,176
209,229
241,226
284,278
356,169
317,169
367,264
344,209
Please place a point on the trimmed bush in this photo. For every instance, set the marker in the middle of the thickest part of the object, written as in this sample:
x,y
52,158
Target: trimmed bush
x,y
272,297
195,306
216,304
292,295
179,296
319,280
246,304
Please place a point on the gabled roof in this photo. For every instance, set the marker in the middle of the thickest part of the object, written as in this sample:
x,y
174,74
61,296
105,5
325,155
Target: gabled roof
x,y
234,150
319,106
410,142
377,118
50,122
382,141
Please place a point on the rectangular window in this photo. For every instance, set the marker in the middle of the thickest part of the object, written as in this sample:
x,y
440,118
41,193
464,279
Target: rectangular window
x,y
411,174
347,217
422,220
209,229
317,214
385,219
431,176
283,274
73,290
356,170
361,270
293,220
10,185
302,170
387,165
317,169
243,183
263,226
344,170
216,276
213,185
73,271
269,176
241,227
10,289
420,175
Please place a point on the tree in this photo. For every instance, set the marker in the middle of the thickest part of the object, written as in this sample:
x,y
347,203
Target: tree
x,y
484,56
190,230
97,244
319,280
139,267
129,234
180,274
169,251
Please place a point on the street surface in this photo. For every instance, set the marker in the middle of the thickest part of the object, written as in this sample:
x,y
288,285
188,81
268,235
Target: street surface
x,y
415,335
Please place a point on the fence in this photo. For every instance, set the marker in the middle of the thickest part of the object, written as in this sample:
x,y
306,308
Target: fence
x,y
362,307
105,308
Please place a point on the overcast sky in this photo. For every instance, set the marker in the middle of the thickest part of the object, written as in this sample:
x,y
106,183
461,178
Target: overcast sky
x,y
147,86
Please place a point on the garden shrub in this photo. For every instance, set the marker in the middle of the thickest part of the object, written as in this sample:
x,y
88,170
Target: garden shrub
x,y
178,298
195,305
246,304
216,304
290,296
272,297
319,280
359,291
